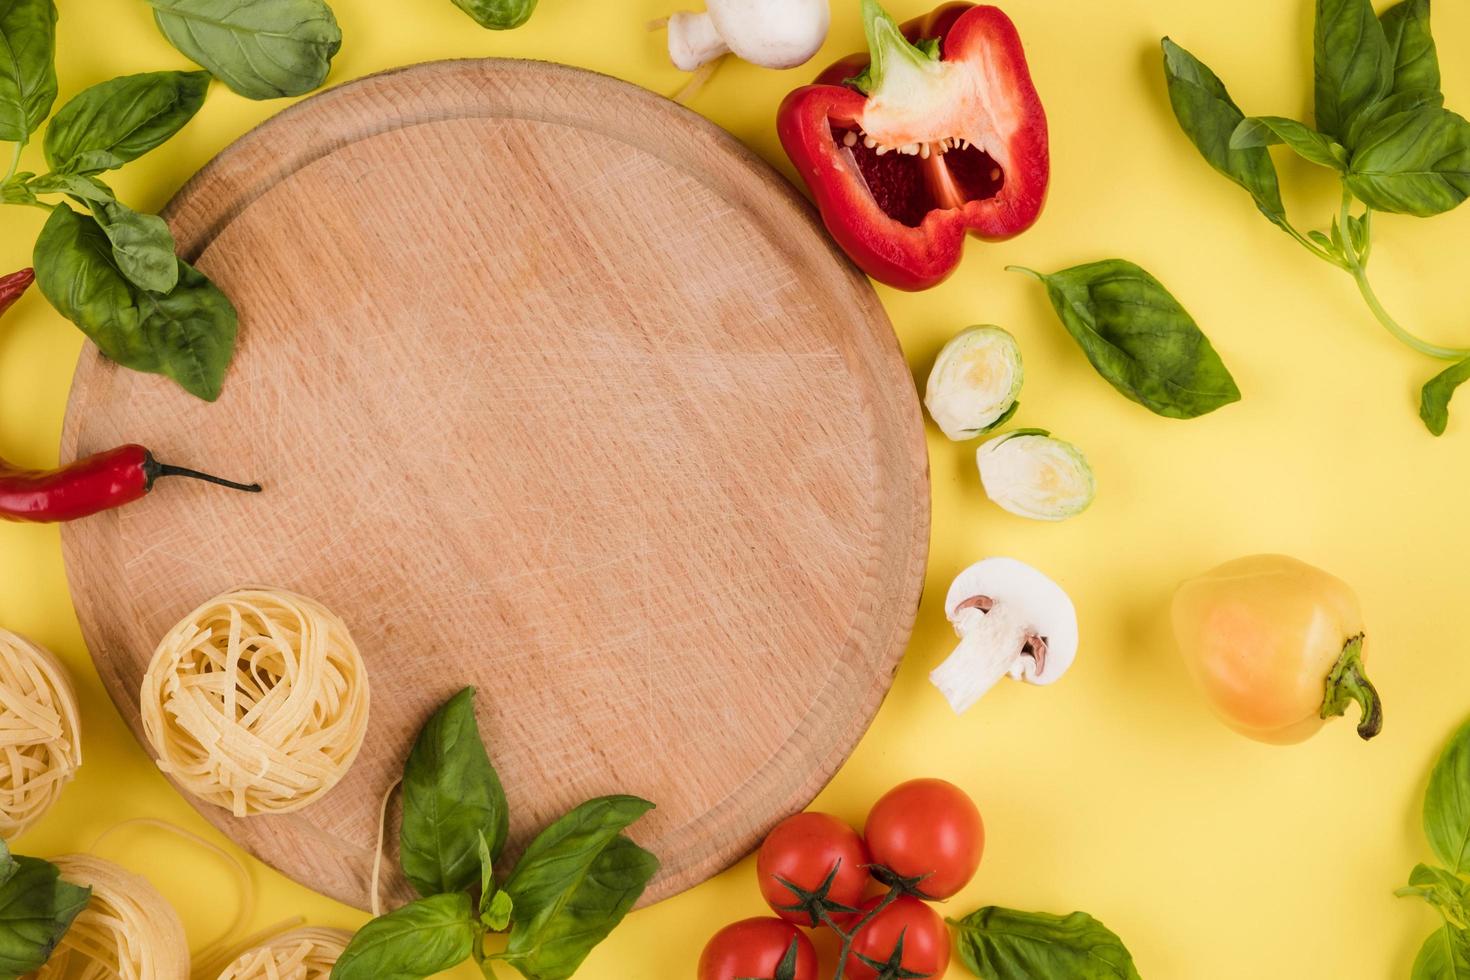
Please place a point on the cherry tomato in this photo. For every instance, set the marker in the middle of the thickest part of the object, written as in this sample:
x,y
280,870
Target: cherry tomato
x,y
755,948
804,850
925,940
927,829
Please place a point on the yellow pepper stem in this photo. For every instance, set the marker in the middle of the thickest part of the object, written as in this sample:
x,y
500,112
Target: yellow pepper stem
x,y
1348,682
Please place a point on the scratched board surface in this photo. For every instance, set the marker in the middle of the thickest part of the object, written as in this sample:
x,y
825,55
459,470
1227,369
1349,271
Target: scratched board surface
x,y
557,391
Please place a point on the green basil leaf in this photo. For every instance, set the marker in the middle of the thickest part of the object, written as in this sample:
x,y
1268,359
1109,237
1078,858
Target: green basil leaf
x,y
17,190
1415,60
1354,66
1392,106
451,795
1306,142
119,120
142,245
574,884
1446,891
1444,956
1209,118
1413,163
8,865
261,49
77,274
1434,400
1002,944
193,328
419,940
498,15
1447,804
86,189
187,334
497,915
27,66
1140,339
36,910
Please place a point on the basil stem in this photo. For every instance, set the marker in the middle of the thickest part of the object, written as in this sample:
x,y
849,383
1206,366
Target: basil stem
x,y
1355,263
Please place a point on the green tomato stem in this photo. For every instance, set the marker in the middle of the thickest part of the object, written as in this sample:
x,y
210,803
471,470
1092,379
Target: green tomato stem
x,y
1348,683
848,936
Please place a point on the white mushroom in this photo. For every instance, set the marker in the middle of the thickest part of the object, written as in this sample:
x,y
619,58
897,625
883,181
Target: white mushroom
x,y
1012,622
769,33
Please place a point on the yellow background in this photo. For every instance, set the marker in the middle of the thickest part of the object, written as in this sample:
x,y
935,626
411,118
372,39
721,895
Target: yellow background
x,y
1115,792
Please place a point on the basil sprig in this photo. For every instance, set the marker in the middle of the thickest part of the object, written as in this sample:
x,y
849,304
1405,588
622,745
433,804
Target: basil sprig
x,y
1138,337
1381,125
1003,944
1445,954
573,885
109,269
36,910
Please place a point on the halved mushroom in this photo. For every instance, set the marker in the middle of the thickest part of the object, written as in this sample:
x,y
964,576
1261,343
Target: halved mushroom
x,y
1012,622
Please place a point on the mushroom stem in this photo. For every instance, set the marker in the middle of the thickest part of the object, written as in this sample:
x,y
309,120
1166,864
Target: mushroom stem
x,y
991,645
694,40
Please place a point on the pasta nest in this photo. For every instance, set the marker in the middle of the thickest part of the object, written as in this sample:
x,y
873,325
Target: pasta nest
x,y
40,741
302,954
128,931
257,701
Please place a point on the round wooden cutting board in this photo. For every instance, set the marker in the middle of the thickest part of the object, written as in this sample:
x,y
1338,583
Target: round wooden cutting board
x,y
556,390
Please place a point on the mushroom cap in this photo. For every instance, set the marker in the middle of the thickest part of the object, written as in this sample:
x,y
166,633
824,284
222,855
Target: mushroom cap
x,y
772,33
1038,600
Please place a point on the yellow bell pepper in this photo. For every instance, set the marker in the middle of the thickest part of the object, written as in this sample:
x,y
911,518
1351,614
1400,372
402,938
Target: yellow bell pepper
x,y
1277,647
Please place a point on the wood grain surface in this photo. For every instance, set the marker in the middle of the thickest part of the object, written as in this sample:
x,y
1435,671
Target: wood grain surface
x,y
556,390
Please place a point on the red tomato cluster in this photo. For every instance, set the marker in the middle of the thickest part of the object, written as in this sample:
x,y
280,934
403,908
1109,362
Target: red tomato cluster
x,y
923,841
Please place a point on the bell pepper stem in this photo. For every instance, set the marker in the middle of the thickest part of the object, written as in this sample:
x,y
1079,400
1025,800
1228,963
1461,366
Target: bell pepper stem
x,y
889,49
1348,682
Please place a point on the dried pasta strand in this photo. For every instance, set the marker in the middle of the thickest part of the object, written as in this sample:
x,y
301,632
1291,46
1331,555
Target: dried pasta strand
x,y
257,701
40,740
244,908
374,897
128,931
302,954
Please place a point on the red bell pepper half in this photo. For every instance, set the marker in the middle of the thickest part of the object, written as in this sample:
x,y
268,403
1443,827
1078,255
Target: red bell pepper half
x,y
936,133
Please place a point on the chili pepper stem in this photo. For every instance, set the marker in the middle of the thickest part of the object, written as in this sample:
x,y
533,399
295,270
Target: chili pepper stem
x,y
1348,683
153,471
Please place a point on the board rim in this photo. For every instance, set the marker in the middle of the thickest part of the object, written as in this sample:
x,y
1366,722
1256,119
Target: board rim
x,y
917,512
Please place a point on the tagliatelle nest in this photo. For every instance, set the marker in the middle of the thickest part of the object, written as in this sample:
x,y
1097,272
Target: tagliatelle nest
x,y
40,746
127,931
257,701
302,954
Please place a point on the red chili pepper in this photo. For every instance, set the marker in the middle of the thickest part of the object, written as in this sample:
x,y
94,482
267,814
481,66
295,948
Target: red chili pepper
x,y
88,486
13,285
937,133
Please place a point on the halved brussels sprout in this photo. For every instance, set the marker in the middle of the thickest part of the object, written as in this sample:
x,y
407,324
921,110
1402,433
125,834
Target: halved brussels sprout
x,y
975,381
1030,474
